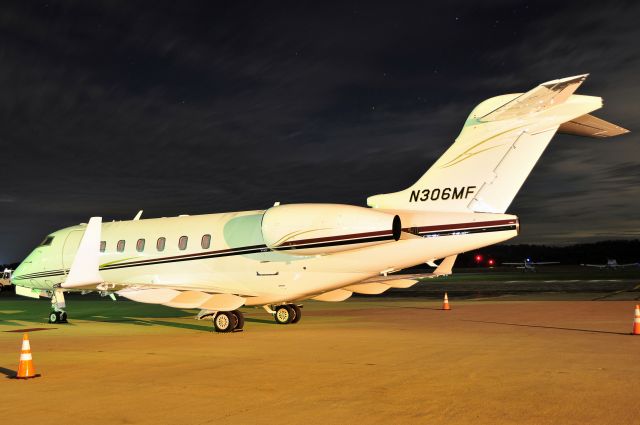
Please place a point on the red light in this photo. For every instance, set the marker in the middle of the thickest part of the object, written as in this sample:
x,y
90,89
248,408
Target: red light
x,y
491,262
478,258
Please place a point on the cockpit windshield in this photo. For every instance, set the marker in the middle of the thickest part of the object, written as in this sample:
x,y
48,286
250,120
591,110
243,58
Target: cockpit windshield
x,y
47,241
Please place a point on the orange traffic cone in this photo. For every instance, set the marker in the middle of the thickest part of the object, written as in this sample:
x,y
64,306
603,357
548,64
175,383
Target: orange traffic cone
x,y
636,321
25,367
446,305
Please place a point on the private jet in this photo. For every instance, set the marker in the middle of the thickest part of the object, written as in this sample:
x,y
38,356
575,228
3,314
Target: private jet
x,y
280,256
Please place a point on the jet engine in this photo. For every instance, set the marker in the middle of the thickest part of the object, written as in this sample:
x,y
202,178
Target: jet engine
x,y
309,229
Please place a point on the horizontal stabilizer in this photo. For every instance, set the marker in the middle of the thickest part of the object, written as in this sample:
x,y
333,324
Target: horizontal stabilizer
x,y
84,270
589,126
544,96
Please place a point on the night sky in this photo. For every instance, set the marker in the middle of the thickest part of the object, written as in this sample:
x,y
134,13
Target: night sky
x,y
198,107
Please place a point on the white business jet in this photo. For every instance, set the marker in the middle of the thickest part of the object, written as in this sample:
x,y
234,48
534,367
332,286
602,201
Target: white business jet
x,y
280,256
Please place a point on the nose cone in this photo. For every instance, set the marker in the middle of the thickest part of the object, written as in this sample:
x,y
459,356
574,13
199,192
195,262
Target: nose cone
x,y
23,274
17,274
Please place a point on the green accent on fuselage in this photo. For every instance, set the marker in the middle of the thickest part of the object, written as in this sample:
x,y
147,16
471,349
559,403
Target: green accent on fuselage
x,y
472,121
246,231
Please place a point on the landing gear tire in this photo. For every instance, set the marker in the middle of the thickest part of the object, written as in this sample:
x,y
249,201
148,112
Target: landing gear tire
x,y
225,322
284,314
58,317
298,313
239,320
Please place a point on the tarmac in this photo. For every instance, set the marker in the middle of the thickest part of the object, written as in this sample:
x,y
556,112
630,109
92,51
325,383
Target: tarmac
x,y
515,359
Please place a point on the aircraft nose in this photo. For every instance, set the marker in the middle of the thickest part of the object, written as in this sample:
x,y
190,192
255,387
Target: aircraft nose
x,y
19,273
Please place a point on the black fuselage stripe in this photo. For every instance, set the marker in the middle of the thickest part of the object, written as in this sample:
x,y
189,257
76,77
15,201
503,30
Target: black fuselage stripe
x,y
467,231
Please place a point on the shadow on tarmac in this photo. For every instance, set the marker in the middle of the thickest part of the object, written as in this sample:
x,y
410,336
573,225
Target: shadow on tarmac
x,y
10,373
548,327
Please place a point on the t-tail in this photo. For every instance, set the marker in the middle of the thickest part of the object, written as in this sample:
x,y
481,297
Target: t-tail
x,y
498,146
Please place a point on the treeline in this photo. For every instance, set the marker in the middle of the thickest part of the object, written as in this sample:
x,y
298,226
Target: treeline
x,y
624,251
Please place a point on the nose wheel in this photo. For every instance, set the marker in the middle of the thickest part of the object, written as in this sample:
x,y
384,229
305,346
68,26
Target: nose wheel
x,y
58,317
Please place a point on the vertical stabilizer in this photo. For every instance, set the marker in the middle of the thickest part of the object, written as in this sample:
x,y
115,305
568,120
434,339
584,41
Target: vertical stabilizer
x,y
499,145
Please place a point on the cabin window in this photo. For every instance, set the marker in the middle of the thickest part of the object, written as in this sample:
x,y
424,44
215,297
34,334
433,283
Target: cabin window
x,y
182,243
160,244
120,246
206,241
47,241
140,245
103,246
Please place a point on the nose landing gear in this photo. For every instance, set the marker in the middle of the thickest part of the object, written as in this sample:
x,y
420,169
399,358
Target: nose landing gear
x,y
58,315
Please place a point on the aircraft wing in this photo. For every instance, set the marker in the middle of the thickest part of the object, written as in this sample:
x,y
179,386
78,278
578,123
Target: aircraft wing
x,y
389,278
601,266
537,263
378,284
444,269
628,265
513,264
183,299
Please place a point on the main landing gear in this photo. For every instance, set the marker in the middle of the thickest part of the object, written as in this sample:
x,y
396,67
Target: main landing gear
x,y
228,321
287,313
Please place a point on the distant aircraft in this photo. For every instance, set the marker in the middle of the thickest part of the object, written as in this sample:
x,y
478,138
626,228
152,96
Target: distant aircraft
x,y
611,264
5,278
528,265
285,254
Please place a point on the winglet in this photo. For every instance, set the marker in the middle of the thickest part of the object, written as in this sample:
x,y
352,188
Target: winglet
x,y
84,270
446,266
137,217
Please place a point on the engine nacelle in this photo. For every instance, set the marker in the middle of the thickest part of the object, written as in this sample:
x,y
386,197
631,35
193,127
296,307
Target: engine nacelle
x,y
308,229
